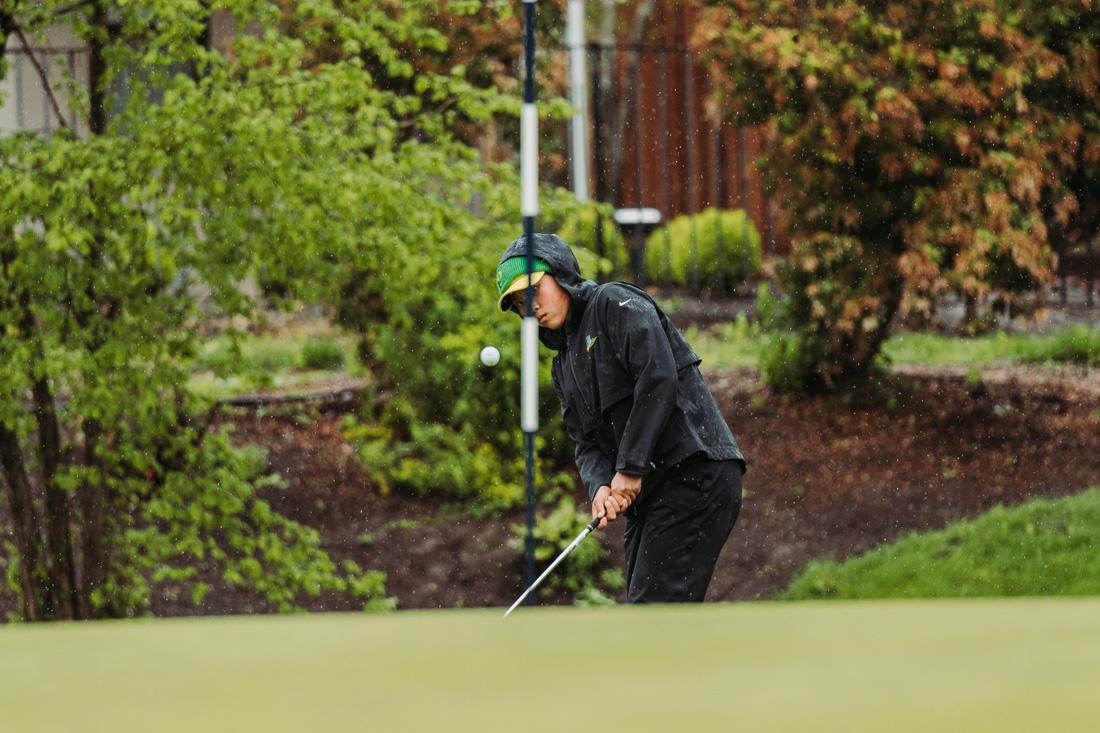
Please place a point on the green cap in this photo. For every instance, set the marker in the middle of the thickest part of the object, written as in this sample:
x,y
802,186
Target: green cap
x,y
512,276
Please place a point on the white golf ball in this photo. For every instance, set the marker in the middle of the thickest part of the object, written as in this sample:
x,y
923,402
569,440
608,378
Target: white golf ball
x,y
490,356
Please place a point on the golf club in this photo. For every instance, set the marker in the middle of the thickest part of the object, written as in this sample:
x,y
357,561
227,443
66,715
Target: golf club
x,y
584,533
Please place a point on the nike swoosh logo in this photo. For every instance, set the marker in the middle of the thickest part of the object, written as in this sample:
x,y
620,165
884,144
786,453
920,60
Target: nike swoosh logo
x,y
625,301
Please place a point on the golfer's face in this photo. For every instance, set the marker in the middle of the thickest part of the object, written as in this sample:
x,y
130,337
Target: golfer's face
x,y
551,303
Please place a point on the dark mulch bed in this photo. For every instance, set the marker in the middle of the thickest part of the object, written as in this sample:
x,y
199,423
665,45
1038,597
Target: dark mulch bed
x,y
826,479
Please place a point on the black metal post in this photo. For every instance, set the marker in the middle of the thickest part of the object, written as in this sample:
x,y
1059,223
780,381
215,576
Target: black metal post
x,y
529,236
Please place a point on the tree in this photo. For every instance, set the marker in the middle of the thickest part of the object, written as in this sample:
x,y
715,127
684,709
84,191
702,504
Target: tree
x,y
908,153
268,159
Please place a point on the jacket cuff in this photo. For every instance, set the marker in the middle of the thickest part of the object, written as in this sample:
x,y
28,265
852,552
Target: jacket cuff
x,y
593,488
631,469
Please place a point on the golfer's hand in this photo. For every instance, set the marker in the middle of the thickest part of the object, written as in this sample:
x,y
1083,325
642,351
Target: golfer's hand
x,y
611,501
625,489
603,505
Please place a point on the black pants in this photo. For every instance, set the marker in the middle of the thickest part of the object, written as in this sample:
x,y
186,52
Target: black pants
x,y
679,526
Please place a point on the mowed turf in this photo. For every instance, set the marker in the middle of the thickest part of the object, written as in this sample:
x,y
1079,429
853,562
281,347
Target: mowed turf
x,y
1011,665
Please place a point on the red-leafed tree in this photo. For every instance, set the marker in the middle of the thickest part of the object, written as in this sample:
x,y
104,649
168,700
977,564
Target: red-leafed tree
x,y
915,147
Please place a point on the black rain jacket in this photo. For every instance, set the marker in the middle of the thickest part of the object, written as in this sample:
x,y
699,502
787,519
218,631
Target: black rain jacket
x,y
631,393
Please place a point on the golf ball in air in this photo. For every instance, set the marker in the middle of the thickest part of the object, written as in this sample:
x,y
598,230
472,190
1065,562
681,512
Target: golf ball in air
x,y
490,356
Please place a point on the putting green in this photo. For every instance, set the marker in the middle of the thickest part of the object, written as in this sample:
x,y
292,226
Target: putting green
x,y
1011,665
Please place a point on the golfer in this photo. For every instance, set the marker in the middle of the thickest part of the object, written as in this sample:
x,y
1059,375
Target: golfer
x,y
651,444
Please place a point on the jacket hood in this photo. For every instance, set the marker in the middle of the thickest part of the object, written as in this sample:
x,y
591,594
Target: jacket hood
x,y
552,249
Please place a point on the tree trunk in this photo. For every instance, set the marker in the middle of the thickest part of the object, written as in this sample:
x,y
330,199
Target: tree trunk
x,y
91,494
970,314
35,588
97,69
58,532
92,509
58,529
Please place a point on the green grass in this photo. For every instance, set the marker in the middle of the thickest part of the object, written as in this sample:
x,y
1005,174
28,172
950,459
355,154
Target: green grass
x,y
973,666
271,361
733,344
1043,547
1075,344
738,343
318,353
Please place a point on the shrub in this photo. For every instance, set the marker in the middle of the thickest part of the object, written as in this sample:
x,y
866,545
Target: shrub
x,y
826,329
440,423
579,574
579,230
718,250
322,354
207,511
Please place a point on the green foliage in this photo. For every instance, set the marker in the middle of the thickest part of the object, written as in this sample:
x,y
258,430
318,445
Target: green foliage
x,y
580,230
442,423
716,249
933,141
1043,547
736,343
204,510
579,574
313,148
326,354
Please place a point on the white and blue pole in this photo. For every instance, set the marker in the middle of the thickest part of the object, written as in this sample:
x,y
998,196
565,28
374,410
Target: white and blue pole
x,y
529,335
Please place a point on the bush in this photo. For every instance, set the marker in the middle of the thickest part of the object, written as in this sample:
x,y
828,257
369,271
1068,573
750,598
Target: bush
x,y
440,423
825,331
787,358
1043,547
207,512
579,574
718,250
322,354
579,230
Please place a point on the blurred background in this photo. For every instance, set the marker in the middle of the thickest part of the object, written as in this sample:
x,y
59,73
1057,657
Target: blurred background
x,y
246,257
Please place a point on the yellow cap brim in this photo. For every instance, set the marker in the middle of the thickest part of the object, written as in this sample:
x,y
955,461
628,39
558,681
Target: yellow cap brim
x,y
519,284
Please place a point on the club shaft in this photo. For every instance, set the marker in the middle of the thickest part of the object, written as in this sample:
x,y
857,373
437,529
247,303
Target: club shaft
x,y
584,533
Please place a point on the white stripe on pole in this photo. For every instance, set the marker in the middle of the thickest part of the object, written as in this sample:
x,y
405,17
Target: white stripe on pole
x,y
529,377
529,156
578,96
